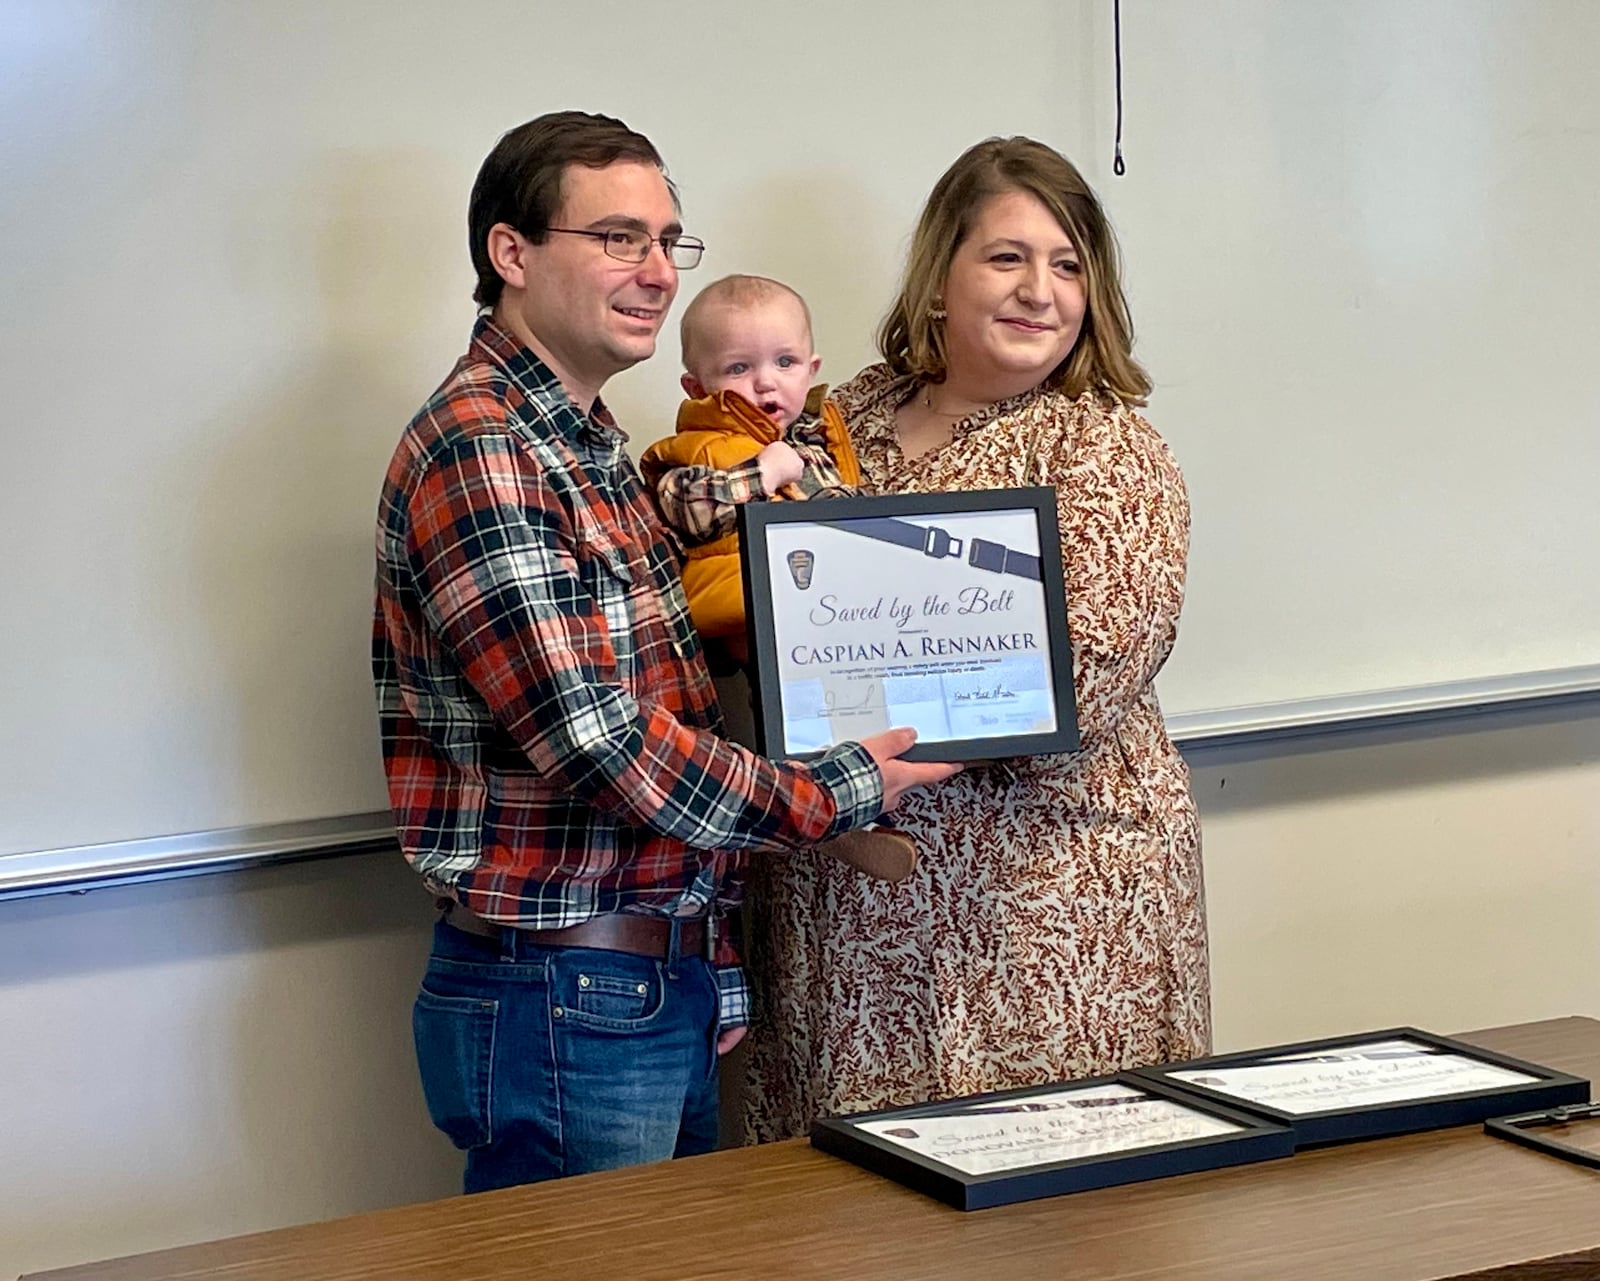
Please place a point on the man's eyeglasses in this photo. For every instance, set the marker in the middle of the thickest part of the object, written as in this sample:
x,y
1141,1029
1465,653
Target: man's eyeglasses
x,y
627,245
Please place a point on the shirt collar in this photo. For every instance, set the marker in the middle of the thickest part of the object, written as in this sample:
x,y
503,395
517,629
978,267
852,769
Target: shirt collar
x,y
539,385
808,429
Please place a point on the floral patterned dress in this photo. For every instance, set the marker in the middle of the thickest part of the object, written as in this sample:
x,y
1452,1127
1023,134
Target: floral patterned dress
x,y
1055,925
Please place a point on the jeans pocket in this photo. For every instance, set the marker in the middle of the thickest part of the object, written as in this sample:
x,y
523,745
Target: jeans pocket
x,y
455,1056
617,993
608,996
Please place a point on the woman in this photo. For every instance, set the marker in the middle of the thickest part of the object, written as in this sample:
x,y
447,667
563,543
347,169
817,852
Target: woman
x,y
1054,927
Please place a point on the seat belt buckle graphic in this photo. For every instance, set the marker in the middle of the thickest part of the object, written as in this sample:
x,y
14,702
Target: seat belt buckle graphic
x,y
938,543
986,555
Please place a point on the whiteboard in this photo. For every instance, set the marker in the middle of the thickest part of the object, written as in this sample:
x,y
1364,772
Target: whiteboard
x,y
233,263
1367,280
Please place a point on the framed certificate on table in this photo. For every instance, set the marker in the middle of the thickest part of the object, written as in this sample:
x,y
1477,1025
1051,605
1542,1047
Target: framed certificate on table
x,y
1370,1084
943,612
992,1149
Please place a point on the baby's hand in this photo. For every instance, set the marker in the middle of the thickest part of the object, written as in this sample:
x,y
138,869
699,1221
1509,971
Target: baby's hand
x,y
780,465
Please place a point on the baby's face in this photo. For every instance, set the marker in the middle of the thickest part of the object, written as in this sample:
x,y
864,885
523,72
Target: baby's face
x,y
762,351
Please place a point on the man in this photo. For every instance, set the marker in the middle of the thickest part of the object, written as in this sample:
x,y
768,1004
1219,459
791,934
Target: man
x,y
549,727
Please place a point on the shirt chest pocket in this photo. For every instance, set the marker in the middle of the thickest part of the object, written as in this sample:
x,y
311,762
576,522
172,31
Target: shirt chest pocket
x,y
608,573
637,589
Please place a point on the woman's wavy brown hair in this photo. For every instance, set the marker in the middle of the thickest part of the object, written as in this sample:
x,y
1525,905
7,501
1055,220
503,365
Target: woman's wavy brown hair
x,y
912,341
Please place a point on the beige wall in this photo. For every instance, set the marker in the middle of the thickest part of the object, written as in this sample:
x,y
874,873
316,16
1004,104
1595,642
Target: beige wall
x,y
1446,876
189,1059
194,1059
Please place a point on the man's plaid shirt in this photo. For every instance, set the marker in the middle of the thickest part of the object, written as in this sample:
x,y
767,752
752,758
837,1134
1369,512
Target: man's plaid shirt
x,y
549,728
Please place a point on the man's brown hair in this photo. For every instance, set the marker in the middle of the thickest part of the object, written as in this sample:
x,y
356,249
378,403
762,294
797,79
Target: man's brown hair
x,y
520,183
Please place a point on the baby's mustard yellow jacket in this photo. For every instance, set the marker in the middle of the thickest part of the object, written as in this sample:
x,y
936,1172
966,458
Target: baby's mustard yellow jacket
x,y
723,430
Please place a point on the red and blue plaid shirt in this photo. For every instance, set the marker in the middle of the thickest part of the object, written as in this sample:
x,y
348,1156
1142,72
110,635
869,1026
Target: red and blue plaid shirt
x,y
550,732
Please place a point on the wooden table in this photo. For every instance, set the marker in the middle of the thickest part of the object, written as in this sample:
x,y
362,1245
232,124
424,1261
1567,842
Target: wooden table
x,y
1450,1203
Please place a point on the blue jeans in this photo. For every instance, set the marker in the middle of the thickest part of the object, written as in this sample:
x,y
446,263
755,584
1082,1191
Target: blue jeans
x,y
544,1061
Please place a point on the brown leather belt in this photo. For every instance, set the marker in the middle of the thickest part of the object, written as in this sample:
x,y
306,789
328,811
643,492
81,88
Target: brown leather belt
x,y
615,932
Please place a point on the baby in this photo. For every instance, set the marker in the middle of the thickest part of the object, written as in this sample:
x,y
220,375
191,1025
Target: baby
x,y
753,428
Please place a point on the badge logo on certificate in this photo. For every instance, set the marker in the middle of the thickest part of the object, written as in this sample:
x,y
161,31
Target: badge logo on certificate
x,y
943,612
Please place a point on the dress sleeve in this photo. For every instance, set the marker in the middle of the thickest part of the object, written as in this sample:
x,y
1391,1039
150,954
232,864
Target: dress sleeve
x,y
1124,516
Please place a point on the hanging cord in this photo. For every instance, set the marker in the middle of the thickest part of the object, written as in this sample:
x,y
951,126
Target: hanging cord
x,y
1117,166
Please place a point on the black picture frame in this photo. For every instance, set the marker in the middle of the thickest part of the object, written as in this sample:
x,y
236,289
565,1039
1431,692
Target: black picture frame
x,y
905,538
1545,1088
1250,1137
1534,1130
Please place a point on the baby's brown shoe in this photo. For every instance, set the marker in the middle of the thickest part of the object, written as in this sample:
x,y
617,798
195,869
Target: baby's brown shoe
x,y
883,853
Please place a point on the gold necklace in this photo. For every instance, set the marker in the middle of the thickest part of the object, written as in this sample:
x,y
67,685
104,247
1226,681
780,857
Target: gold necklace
x,y
927,400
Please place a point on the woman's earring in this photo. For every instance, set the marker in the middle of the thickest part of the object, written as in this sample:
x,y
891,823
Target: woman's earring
x,y
937,312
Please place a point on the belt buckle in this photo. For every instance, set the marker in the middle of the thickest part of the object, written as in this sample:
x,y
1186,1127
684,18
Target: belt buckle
x,y
710,946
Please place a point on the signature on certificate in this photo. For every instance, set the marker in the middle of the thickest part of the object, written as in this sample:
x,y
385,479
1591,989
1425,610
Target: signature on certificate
x,y
868,699
998,694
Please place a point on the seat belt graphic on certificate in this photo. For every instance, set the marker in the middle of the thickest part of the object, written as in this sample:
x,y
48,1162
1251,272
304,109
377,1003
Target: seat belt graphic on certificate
x,y
935,541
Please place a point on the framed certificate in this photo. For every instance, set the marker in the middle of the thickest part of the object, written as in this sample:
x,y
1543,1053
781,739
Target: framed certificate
x,y
1375,1083
943,612
993,1149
